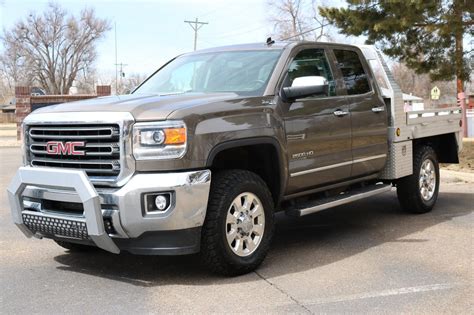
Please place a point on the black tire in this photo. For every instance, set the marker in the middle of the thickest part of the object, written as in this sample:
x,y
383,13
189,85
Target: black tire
x,y
216,252
73,247
408,188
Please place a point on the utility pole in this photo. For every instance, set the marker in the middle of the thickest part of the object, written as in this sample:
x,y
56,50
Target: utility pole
x,y
122,75
116,61
196,25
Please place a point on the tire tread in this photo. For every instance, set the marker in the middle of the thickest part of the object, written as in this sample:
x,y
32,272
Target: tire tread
x,y
407,187
211,252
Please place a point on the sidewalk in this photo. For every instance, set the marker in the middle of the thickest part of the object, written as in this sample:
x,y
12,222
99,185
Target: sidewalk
x,y
8,136
455,176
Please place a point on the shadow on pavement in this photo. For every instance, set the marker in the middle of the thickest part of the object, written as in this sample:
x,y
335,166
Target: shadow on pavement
x,y
300,244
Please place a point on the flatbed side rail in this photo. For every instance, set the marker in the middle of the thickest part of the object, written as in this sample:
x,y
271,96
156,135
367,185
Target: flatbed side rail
x,y
424,117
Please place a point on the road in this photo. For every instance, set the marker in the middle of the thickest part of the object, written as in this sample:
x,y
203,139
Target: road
x,y
367,257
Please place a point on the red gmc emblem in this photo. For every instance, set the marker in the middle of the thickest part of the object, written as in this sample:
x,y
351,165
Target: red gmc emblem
x,y
64,148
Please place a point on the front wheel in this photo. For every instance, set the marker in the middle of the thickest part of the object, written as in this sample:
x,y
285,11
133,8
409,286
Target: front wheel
x,y
239,225
418,192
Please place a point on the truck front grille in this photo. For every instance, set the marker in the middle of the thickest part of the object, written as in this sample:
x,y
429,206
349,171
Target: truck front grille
x,y
54,226
99,148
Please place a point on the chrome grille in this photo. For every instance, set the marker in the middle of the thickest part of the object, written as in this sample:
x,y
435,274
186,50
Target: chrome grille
x,y
101,149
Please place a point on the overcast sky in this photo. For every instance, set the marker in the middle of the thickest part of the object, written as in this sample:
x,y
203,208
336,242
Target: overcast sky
x,y
151,32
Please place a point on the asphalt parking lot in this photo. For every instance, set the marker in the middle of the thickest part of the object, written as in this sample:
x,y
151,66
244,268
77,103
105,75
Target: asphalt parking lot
x,y
367,257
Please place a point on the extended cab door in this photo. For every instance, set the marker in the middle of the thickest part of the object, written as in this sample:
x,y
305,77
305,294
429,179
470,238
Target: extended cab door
x,y
318,127
368,114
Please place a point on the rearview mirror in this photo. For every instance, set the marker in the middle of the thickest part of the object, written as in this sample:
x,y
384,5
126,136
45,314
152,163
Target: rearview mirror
x,y
305,86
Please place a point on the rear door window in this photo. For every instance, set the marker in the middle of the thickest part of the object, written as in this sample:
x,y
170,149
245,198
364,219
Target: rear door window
x,y
353,72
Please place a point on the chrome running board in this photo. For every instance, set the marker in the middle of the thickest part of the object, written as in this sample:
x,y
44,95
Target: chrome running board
x,y
343,198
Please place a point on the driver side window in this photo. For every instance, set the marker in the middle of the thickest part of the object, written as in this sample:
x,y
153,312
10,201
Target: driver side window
x,y
311,63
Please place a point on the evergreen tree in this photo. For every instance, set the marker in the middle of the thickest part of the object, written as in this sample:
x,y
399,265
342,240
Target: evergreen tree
x,y
427,35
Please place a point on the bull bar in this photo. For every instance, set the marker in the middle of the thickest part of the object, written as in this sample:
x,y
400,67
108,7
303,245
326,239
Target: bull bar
x,y
64,179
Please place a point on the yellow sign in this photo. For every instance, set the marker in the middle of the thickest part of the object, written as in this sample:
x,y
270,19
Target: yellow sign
x,y
435,93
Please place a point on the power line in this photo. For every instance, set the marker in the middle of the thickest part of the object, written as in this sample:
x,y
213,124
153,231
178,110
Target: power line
x,y
122,65
305,32
196,25
122,75
238,33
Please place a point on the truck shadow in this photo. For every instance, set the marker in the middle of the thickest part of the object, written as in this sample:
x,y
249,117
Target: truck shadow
x,y
300,244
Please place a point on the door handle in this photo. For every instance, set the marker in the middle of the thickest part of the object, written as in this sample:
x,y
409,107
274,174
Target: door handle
x,y
340,113
378,109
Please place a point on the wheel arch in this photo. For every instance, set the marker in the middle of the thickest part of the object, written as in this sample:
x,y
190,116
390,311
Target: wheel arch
x,y
235,154
445,147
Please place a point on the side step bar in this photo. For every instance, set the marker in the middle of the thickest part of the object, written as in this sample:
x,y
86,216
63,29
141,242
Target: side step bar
x,y
330,202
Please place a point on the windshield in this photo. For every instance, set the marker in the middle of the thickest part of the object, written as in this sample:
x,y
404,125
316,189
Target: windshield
x,y
241,72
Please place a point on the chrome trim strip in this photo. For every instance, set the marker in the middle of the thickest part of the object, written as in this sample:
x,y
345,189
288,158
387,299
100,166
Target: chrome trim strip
x,y
87,162
319,169
327,167
113,132
70,137
374,157
294,137
111,129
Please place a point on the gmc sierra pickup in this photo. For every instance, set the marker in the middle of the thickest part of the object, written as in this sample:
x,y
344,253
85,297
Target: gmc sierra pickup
x,y
201,155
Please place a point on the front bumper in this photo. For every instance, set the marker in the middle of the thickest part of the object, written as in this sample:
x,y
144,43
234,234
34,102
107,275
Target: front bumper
x,y
174,231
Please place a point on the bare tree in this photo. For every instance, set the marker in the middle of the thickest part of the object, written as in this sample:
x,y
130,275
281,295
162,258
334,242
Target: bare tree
x,y
297,19
52,48
125,84
420,84
12,68
130,82
288,18
411,82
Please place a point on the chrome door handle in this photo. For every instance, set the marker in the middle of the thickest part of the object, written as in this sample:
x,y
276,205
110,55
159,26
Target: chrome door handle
x,y
378,109
340,113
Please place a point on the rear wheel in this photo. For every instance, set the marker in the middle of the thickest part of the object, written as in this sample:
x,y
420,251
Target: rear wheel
x,y
418,192
238,228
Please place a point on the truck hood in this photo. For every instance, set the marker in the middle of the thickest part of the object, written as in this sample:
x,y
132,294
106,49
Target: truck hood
x,y
142,107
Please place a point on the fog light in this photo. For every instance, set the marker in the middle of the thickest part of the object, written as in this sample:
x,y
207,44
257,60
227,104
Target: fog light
x,y
157,202
160,202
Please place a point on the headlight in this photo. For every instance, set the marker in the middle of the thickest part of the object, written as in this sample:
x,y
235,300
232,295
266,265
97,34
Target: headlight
x,y
159,140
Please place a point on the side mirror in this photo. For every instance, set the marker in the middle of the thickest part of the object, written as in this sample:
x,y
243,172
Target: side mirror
x,y
305,86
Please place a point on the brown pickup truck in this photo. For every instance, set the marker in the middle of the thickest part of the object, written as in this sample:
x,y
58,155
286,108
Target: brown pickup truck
x,y
201,155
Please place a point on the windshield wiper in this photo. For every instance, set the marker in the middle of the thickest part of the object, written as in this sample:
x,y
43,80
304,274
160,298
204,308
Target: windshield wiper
x,y
175,93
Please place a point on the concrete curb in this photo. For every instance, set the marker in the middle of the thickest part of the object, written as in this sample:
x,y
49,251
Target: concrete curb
x,y
465,176
10,144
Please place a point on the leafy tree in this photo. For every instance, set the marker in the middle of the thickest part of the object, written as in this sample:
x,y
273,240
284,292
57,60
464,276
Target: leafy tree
x,y
427,35
52,49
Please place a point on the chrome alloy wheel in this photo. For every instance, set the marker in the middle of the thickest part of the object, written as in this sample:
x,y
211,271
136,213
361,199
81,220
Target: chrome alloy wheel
x,y
427,180
245,224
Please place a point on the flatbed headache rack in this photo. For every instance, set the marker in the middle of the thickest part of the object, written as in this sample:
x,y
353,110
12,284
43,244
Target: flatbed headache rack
x,y
404,127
